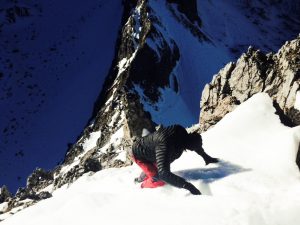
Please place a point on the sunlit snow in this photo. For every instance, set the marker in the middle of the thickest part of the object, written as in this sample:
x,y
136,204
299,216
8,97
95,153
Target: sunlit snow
x,y
91,142
256,182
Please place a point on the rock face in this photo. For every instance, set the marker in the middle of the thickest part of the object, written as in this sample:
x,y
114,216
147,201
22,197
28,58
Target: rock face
x,y
32,193
186,13
5,195
39,179
276,74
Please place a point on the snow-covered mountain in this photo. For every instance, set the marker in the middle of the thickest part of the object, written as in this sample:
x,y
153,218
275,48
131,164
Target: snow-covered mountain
x,y
255,182
151,72
54,58
166,54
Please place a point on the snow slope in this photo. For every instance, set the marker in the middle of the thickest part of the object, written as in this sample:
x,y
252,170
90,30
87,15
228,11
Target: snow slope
x,y
256,182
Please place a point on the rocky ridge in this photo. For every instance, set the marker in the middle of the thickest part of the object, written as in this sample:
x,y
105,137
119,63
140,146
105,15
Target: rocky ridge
x,y
276,74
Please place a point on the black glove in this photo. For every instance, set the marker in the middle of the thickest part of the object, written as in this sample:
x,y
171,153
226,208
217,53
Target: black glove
x,y
191,188
211,160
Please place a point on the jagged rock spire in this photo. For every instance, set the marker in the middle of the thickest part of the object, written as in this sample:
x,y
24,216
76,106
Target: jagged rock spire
x,y
5,195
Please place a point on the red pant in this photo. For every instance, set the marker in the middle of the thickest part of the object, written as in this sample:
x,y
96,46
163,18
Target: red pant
x,y
150,169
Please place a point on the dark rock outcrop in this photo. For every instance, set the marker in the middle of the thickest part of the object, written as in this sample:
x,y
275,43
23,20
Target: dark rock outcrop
x,y
26,193
5,195
39,179
92,164
276,74
69,177
29,195
24,198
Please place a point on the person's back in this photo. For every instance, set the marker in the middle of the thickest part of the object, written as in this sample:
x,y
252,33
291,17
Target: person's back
x,y
172,136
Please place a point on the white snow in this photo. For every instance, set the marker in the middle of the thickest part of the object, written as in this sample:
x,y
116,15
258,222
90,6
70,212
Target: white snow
x,y
3,206
256,182
124,63
109,100
87,145
67,168
70,78
91,142
145,132
121,156
116,138
49,188
113,118
297,101
137,26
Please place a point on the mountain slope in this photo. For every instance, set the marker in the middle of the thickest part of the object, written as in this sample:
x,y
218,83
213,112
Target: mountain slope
x,y
166,52
166,55
54,59
164,60
256,181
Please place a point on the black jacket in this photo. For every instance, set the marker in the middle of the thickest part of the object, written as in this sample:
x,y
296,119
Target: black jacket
x,y
163,147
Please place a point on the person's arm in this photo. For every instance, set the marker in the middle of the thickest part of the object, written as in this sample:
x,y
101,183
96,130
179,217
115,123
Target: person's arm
x,y
207,158
166,175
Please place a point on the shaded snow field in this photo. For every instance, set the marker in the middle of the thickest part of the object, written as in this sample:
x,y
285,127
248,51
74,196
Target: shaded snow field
x,y
256,182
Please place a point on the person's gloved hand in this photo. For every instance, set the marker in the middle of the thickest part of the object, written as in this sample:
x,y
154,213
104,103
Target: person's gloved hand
x,y
211,160
191,188
141,178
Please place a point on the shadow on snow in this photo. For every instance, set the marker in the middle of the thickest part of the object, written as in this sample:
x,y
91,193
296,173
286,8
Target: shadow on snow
x,y
223,169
